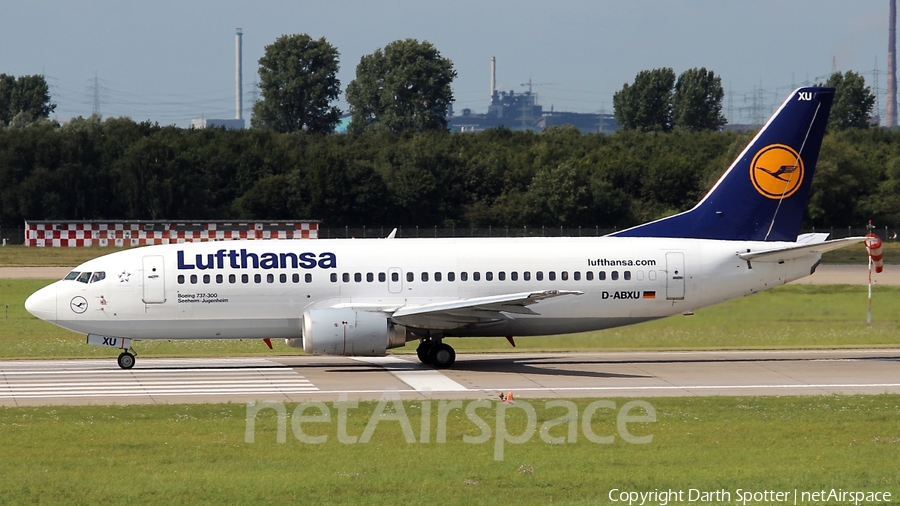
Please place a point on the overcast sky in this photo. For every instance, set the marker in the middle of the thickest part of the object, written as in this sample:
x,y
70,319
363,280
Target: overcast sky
x,y
170,61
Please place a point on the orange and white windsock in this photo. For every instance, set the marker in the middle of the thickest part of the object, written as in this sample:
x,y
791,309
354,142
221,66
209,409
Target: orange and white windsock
x,y
873,246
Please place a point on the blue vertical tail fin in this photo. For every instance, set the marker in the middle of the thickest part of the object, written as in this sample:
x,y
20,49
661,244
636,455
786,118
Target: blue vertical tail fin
x,y
763,195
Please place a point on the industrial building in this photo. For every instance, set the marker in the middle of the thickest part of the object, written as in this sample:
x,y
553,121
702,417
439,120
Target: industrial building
x,y
521,111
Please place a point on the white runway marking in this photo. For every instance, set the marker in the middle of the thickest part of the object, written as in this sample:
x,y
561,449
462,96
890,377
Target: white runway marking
x,y
79,379
421,378
712,387
661,388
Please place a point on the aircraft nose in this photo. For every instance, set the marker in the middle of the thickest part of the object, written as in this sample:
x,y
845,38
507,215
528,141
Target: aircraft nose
x,y
42,303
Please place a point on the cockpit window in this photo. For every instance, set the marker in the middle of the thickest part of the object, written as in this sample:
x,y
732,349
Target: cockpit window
x,y
98,276
72,276
84,277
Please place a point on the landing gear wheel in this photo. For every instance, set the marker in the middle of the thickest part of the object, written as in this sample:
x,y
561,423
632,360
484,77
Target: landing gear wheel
x,y
442,356
126,360
423,351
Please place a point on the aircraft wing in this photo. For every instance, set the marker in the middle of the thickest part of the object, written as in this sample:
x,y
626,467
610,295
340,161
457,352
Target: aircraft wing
x,y
806,244
457,313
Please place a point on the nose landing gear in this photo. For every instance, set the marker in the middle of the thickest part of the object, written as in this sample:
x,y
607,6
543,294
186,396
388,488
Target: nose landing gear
x,y
126,359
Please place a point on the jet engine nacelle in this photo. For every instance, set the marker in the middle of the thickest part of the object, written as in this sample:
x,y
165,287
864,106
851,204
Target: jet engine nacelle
x,y
349,333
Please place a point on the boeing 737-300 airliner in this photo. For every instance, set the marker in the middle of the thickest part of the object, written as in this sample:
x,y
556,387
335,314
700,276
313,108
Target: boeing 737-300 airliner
x,y
362,297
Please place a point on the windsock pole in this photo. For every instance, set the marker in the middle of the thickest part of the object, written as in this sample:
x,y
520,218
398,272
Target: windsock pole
x,y
869,313
876,261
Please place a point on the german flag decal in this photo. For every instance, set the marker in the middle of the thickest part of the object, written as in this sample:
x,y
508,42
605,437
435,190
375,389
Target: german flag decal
x,y
649,295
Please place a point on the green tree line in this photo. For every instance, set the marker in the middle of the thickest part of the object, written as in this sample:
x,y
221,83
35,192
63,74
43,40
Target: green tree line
x,y
121,169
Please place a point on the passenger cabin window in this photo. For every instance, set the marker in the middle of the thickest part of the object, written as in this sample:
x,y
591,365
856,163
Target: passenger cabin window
x,y
395,276
514,276
381,277
193,279
576,275
232,278
206,279
181,279
488,276
601,275
626,275
282,278
501,276
463,276
437,276
551,275
614,275
270,278
476,276
220,279
424,276
589,275
539,275
257,278
345,277
334,277
526,276
357,277
370,277
308,278
564,276
245,278
451,276
410,277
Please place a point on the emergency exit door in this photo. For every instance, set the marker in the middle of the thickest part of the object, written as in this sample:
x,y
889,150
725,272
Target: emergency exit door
x,y
395,281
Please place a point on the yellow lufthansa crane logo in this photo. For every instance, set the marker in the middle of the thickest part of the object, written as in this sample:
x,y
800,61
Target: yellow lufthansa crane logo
x,y
777,171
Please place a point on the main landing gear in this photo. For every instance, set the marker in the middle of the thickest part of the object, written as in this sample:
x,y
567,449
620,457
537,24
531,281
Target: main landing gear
x,y
126,359
434,352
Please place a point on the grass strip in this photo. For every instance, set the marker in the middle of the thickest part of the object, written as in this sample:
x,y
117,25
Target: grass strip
x,y
197,454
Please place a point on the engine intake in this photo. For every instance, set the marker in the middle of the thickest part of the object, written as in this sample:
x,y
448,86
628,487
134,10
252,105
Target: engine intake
x,y
349,333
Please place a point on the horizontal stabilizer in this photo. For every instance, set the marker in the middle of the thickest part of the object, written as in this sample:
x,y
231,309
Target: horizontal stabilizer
x,y
799,249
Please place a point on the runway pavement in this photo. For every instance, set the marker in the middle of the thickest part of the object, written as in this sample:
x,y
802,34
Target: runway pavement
x,y
596,375
851,275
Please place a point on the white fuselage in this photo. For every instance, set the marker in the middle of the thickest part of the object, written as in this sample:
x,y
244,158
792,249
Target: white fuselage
x,y
213,290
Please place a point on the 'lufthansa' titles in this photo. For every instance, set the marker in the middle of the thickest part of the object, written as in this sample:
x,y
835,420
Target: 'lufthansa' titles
x,y
242,259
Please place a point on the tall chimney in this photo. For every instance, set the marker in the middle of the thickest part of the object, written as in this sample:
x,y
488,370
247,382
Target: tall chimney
x,y
238,97
891,109
493,75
